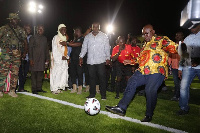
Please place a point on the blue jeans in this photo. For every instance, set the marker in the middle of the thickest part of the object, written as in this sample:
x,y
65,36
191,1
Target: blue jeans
x,y
176,82
152,83
188,75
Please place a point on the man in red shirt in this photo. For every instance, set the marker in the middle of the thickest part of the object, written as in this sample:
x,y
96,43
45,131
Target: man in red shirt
x,y
136,51
120,53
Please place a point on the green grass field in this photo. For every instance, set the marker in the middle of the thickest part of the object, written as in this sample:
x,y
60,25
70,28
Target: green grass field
x,y
26,114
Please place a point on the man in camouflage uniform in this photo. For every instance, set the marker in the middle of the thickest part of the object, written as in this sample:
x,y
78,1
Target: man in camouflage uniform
x,y
12,40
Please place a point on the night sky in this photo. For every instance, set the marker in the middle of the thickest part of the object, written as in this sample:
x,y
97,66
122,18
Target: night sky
x,y
131,15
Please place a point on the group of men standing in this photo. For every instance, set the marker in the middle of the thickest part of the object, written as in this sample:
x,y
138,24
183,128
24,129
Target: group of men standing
x,y
150,65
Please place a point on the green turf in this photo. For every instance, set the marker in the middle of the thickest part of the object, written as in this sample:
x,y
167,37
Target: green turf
x,y
30,114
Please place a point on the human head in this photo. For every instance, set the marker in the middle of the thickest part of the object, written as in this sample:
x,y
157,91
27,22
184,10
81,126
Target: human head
x,y
27,29
14,19
121,40
40,29
62,29
134,41
196,28
77,31
179,36
148,32
95,27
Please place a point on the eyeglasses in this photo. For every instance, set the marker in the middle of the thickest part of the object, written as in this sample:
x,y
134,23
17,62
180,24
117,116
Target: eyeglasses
x,y
146,34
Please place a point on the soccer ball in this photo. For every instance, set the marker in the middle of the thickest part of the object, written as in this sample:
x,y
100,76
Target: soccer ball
x,y
92,106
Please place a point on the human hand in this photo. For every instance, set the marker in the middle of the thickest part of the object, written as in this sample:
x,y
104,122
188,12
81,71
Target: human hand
x,y
180,74
127,62
64,58
31,62
63,43
80,61
108,62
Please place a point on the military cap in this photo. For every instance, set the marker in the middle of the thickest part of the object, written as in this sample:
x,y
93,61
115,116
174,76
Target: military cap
x,y
13,16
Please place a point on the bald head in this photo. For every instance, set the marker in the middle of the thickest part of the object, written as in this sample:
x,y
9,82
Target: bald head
x,y
148,32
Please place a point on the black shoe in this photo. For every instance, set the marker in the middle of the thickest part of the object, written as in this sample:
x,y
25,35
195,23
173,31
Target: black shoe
x,y
22,90
41,91
117,97
90,96
34,92
103,98
174,98
182,112
147,119
116,110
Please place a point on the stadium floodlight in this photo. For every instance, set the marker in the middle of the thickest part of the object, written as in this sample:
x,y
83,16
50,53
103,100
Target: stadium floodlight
x,y
109,29
33,7
39,11
40,6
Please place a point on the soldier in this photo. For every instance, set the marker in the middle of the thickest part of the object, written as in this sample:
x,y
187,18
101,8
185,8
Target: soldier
x,y
12,43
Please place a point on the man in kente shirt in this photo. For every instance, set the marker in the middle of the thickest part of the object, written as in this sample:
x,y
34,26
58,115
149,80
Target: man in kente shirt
x,y
151,72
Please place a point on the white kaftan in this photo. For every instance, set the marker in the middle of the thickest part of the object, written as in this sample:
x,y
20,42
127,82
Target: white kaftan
x,y
59,67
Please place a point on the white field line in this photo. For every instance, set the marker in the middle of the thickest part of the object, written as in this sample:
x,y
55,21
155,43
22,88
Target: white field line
x,y
108,114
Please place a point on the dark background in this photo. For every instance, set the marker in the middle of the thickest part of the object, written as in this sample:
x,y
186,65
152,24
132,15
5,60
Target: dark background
x,y
131,15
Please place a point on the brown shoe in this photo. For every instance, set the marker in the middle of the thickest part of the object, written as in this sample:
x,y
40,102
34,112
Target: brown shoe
x,y
74,90
80,89
87,88
97,89
12,93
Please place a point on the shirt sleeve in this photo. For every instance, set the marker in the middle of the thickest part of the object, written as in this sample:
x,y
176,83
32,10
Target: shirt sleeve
x,y
1,31
168,45
47,52
107,48
84,47
30,48
57,55
114,51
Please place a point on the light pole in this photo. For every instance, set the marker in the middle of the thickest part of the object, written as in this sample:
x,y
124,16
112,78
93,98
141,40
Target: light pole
x,y
35,8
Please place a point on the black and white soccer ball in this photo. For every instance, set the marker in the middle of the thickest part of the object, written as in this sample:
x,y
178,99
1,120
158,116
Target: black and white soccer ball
x,y
92,106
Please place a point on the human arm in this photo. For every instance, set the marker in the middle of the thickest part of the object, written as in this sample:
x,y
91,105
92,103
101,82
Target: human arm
x,y
74,44
87,31
169,45
107,50
56,49
30,50
25,49
84,47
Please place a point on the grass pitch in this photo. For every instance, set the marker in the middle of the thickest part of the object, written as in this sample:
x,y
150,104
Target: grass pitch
x,y
29,114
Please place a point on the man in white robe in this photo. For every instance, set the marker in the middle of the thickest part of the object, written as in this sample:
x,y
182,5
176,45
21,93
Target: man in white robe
x,y
59,64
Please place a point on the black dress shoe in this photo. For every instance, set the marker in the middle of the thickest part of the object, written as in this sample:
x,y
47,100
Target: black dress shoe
x,y
41,91
23,90
116,110
90,96
147,119
34,92
182,112
103,98
117,97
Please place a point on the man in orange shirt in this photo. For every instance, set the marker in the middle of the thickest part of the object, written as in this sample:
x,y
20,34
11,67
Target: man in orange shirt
x,y
152,71
174,63
120,53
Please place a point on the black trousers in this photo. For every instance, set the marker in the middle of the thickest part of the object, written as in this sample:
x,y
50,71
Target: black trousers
x,y
76,72
97,72
36,80
23,71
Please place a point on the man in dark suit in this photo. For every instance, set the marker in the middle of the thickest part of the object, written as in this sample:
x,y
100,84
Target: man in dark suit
x,y
39,57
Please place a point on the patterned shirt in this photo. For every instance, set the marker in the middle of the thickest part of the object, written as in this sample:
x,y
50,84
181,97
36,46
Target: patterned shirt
x,y
97,47
153,56
9,38
126,53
